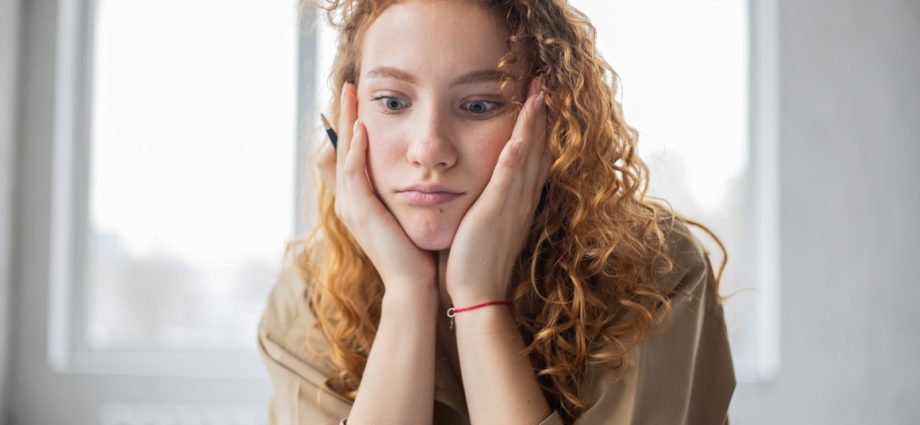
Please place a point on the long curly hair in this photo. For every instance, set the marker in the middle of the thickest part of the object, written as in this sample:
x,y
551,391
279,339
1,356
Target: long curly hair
x,y
586,287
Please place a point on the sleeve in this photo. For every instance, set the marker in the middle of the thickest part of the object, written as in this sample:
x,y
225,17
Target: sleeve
x,y
300,394
682,373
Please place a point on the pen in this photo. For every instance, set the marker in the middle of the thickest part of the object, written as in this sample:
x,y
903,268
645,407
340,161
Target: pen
x,y
329,131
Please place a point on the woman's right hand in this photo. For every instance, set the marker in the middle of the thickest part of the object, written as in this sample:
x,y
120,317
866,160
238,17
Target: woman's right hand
x,y
401,264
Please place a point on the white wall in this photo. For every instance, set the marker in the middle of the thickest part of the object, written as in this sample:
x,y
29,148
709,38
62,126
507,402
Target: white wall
x,y
850,143
9,47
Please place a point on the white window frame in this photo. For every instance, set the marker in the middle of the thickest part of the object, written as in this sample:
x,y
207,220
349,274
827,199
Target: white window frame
x,y
54,379
10,11
765,187
69,213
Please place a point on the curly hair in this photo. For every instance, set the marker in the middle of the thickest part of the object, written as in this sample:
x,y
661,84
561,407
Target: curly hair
x,y
586,287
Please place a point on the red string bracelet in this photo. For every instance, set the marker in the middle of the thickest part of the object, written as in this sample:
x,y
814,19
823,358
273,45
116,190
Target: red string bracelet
x,y
451,312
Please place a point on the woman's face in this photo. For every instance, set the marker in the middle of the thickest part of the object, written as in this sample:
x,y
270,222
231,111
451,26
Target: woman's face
x,y
436,119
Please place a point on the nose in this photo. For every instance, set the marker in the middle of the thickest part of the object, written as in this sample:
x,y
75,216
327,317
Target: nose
x,y
431,146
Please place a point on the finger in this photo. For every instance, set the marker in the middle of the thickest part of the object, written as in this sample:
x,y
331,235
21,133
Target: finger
x,y
522,129
534,162
347,115
529,132
356,164
504,176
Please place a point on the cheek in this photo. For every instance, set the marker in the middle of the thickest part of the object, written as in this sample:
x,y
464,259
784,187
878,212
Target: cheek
x,y
383,153
489,142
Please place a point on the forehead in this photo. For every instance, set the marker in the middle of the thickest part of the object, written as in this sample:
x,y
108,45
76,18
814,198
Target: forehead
x,y
434,39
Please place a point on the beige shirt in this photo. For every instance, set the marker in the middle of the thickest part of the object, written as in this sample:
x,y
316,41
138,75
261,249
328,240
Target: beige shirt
x,y
681,374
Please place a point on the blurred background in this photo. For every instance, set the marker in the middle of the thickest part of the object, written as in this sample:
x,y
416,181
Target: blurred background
x,y
151,172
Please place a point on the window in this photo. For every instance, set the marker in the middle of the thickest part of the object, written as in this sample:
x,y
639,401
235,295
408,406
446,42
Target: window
x,y
184,159
191,188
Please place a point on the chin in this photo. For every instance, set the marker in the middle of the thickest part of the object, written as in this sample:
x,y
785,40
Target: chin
x,y
431,233
431,239
429,244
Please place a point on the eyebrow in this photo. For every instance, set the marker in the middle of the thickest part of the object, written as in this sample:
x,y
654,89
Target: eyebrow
x,y
485,75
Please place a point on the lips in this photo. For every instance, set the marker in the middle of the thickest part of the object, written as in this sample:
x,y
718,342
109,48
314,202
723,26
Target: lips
x,y
428,194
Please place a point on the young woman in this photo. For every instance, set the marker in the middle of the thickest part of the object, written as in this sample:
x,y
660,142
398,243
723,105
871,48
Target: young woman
x,y
484,170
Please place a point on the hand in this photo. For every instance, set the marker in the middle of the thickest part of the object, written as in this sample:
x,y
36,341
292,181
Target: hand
x,y
398,261
492,232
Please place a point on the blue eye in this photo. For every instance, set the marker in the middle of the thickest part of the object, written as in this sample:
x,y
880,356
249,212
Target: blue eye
x,y
391,104
481,107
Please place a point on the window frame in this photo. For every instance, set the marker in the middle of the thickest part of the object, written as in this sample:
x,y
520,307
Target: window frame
x,y
763,16
70,172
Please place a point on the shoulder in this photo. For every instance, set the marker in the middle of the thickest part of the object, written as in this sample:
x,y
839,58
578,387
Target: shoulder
x,y
299,376
285,303
690,272
682,372
286,332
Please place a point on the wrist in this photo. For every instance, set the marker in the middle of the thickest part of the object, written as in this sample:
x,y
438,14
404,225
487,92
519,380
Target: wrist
x,y
410,299
494,319
469,299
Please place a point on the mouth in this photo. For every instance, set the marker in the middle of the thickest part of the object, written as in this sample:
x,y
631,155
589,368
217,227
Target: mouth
x,y
415,197
428,194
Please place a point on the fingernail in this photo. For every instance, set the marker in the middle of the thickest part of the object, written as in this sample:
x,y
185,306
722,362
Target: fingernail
x,y
355,129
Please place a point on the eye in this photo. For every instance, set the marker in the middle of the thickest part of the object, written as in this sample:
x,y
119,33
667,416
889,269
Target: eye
x,y
481,108
391,105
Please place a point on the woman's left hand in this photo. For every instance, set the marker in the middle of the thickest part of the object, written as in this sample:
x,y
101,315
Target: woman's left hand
x,y
491,234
